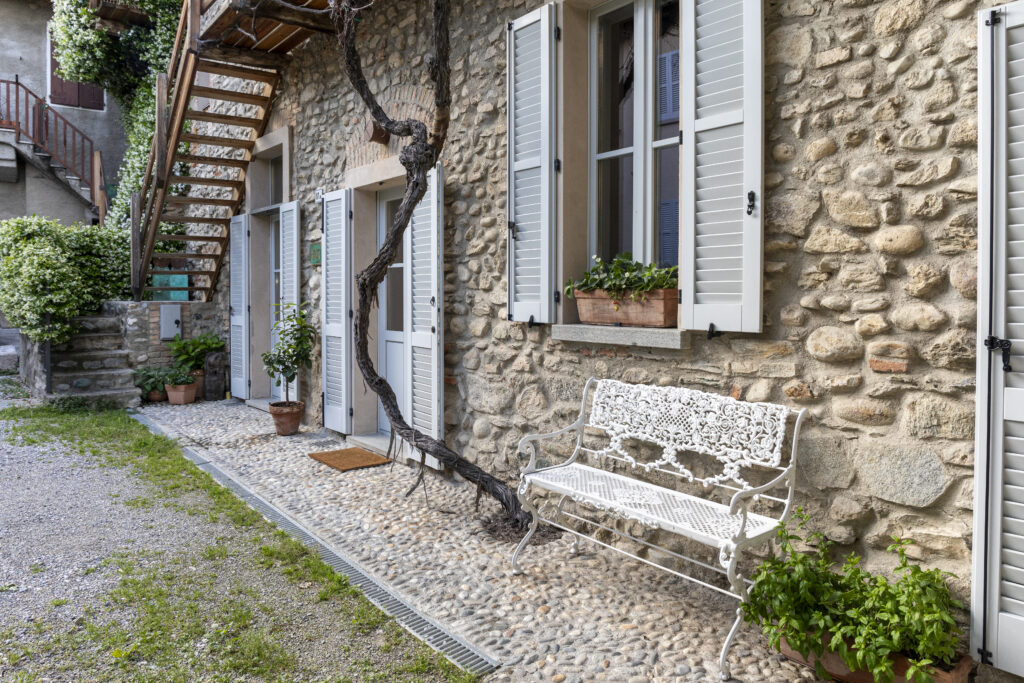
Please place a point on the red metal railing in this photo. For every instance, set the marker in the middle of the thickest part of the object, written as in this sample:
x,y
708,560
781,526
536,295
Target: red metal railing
x,y
31,117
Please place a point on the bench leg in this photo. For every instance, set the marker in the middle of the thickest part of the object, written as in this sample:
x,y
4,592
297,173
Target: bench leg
x,y
529,507
723,663
574,549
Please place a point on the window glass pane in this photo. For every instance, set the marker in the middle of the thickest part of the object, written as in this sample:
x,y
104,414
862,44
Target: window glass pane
x,y
615,206
666,69
666,206
275,250
394,286
615,79
276,180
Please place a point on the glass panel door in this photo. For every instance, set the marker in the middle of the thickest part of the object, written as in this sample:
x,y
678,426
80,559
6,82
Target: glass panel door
x,y
391,315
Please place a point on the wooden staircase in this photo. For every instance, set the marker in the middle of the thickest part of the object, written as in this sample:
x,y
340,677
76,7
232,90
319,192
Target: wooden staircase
x,y
195,179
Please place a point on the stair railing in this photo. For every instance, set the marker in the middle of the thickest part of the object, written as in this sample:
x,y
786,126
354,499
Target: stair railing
x,y
31,117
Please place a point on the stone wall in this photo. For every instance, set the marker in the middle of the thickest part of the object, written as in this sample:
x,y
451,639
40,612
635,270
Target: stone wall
x,y
140,322
870,254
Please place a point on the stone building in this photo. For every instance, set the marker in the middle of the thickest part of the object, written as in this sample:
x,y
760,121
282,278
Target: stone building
x,y
849,286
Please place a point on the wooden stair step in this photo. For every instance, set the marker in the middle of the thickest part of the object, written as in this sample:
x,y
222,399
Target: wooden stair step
x,y
216,141
200,180
182,255
210,201
210,161
236,71
161,271
197,220
226,119
190,238
176,289
229,95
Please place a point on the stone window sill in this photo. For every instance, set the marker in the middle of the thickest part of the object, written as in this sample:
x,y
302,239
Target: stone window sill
x,y
651,337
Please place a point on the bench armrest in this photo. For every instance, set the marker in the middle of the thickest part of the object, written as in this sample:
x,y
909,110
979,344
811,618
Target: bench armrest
x,y
531,440
741,499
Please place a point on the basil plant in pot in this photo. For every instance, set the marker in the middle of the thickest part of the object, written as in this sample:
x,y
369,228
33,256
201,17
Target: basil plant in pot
x,y
854,625
626,292
293,351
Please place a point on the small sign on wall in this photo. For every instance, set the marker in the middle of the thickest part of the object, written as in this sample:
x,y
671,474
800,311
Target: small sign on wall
x,y
314,254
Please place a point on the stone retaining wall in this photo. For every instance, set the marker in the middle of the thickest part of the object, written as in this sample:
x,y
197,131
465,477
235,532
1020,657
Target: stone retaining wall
x,y
140,322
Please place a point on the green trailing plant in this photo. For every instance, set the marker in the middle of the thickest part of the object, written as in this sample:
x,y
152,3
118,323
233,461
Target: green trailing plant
x,y
294,347
177,376
149,378
623,277
50,273
804,597
191,353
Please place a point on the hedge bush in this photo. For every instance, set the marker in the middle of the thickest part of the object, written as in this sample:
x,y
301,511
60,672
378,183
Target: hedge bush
x,y
50,273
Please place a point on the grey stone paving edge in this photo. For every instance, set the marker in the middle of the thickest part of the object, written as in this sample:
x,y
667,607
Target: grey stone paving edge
x,y
456,649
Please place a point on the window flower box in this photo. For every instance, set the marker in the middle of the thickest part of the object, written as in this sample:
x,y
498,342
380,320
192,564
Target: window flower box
x,y
657,308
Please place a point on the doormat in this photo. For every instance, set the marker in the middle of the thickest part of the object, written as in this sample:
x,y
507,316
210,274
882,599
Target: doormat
x,y
349,459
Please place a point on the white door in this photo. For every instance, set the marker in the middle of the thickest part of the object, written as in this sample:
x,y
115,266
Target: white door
x,y
239,305
997,627
392,299
424,275
336,305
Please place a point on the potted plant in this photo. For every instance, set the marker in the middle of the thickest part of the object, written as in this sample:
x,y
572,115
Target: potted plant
x,y
626,292
854,625
191,354
152,380
294,350
180,386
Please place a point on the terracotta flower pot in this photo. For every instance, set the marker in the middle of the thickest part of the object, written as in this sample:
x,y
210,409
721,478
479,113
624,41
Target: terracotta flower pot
x,y
659,309
200,383
836,668
287,415
156,396
180,394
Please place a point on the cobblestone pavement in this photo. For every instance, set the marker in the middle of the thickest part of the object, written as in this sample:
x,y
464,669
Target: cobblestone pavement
x,y
596,616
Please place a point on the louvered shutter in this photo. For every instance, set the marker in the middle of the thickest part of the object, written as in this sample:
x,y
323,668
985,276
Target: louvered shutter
x,y
239,305
721,162
61,91
290,268
531,172
90,96
336,302
1002,291
668,87
668,232
424,319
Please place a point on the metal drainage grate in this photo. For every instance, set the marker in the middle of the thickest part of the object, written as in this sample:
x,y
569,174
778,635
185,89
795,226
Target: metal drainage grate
x,y
460,652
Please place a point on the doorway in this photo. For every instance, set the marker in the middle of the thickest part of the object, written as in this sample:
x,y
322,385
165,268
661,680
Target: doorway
x,y
391,334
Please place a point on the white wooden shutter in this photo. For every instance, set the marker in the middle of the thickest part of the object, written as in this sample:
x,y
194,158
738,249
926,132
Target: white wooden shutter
x,y
1000,476
336,303
668,87
424,320
291,269
239,305
721,160
531,166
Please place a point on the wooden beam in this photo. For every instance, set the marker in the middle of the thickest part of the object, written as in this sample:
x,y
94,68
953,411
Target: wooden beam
x,y
228,95
209,201
135,212
199,180
310,19
210,161
176,217
216,141
224,119
237,71
182,255
235,55
190,238
161,130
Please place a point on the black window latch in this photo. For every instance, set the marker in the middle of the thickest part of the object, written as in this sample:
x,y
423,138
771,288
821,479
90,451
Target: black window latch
x,y
993,343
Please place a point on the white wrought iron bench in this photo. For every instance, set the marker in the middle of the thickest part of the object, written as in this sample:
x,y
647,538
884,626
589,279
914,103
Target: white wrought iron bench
x,y
736,439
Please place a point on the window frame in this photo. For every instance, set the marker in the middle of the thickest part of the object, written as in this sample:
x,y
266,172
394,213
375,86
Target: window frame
x,y
51,74
645,147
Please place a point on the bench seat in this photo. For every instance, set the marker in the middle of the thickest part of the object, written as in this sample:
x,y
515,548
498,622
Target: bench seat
x,y
655,506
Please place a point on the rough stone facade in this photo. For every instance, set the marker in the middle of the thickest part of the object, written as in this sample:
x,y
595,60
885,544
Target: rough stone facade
x,y
870,242
140,323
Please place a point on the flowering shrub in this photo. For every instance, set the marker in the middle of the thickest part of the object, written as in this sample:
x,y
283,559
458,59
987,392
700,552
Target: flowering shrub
x,y
49,273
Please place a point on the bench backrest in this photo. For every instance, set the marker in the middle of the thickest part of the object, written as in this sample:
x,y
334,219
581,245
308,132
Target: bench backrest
x,y
737,434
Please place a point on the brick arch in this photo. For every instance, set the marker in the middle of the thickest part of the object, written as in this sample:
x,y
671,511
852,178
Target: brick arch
x,y
400,102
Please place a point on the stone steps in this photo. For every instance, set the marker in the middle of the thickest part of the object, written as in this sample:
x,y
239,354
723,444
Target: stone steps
x,y
8,359
88,324
91,381
69,361
125,398
92,341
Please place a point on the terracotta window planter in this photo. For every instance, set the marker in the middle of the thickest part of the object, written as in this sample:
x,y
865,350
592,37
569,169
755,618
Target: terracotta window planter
x,y
659,309
180,394
835,666
287,416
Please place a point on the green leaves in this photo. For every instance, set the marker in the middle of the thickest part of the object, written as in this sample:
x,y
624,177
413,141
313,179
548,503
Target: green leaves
x,y
50,273
294,348
624,276
151,379
864,618
191,353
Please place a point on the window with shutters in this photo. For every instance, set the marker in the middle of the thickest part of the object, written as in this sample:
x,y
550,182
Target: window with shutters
x,y
634,150
69,93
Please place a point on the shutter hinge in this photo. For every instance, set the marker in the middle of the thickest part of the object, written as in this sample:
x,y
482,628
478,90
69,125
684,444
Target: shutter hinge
x,y
512,229
679,295
558,33
248,382
558,297
558,165
351,314
986,656
248,233
680,136
993,343
350,214
510,315
351,412
712,332
248,309
509,26
993,18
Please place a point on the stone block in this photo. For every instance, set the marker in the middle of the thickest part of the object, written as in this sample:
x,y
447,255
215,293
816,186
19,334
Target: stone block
x,y
905,474
834,344
932,417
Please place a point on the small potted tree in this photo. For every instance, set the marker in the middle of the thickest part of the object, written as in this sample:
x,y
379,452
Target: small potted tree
x,y
180,386
626,292
854,625
152,380
190,354
294,350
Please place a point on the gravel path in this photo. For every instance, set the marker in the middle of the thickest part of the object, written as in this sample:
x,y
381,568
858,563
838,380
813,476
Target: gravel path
x,y
590,617
93,562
